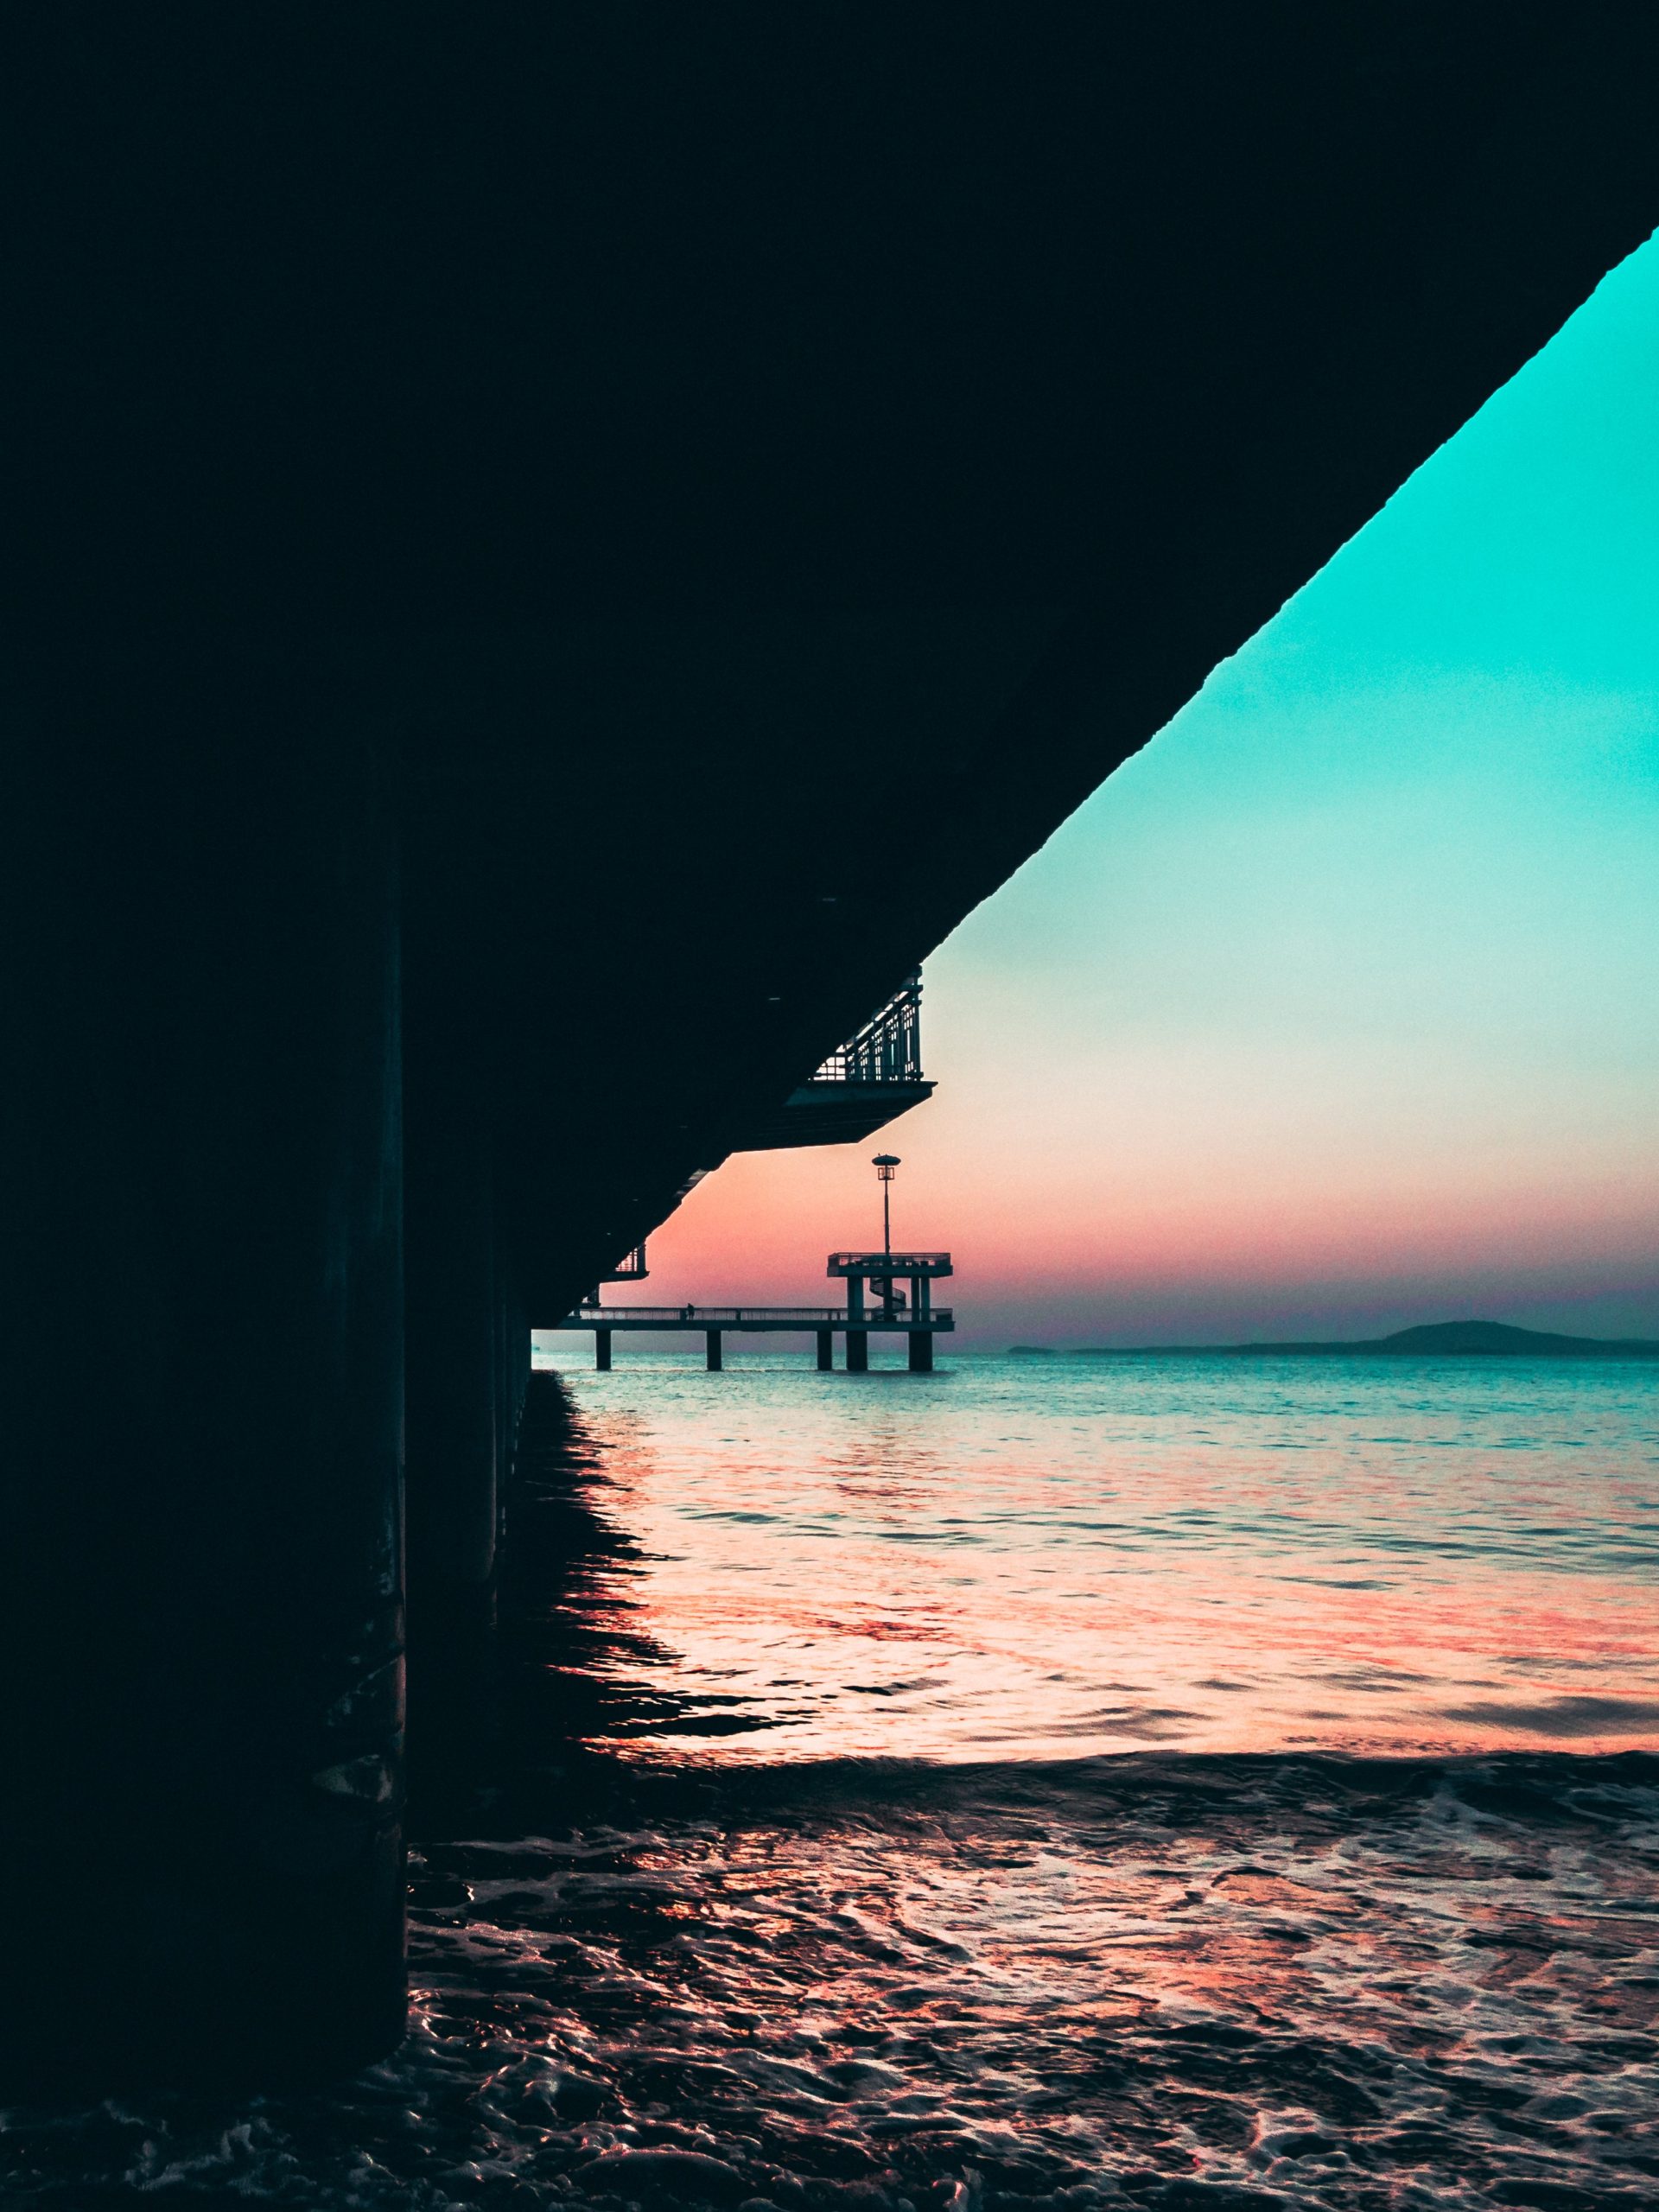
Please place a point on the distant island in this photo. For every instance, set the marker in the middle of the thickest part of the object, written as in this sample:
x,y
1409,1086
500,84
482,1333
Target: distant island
x,y
1431,1337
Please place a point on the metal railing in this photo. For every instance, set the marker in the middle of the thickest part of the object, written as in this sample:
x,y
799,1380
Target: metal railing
x,y
890,1263
726,1317
888,1048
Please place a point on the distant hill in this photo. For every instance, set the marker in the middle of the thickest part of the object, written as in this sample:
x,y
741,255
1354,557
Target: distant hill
x,y
1430,1337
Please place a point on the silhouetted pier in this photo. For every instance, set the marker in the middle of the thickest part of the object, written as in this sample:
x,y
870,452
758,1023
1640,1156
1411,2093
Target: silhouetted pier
x,y
887,1309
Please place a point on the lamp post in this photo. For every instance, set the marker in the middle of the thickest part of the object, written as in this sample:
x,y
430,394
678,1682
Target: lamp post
x,y
885,1163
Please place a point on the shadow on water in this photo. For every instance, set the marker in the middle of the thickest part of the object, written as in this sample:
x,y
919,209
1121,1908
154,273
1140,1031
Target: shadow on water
x,y
1162,1980
524,1712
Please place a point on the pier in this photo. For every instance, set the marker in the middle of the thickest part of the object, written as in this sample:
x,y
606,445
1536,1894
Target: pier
x,y
892,1313
887,1292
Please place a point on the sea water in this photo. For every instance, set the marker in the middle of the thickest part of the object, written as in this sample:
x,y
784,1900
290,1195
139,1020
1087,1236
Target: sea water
x,y
1164,1783
1038,1558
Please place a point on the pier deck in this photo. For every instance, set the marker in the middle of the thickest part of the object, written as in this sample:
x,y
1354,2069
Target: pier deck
x,y
822,1321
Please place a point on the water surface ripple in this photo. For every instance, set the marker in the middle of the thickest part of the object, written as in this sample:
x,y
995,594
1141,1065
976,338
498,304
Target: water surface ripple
x,y
1037,1557
814,1844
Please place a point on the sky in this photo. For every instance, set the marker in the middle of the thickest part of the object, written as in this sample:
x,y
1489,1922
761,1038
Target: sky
x,y
1336,1008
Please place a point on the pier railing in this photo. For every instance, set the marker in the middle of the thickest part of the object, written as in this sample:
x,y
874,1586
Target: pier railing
x,y
863,1085
890,1263
888,1048
735,1316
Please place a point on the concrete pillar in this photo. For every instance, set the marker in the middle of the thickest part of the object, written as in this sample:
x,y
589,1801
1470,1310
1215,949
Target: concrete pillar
x,y
459,1270
826,1351
522,1351
714,1350
455,1325
515,1335
858,1350
603,1350
921,1351
506,1421
200,1407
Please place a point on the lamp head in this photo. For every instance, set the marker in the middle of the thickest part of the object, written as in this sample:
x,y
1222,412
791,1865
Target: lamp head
x,y
884,1164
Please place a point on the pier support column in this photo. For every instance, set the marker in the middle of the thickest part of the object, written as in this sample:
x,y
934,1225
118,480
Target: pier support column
x,y
921,1351
714,1355
455,1409
603,1350
858,1340
201,1411
826,1351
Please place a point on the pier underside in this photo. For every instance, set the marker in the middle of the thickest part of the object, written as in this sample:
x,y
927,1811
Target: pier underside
x,y
569,548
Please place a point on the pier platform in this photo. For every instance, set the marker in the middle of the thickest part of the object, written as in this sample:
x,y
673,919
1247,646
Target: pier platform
x,y
714,1323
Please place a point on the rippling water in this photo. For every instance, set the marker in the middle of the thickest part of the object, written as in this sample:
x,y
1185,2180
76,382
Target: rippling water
x,y
1131,1784
1024,1558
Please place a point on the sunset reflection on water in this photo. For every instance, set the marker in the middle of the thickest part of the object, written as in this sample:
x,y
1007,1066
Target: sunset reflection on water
x,y
1020,1559
936,1794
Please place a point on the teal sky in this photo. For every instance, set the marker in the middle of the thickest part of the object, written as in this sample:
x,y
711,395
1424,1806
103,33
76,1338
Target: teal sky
x,y
1339,1006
